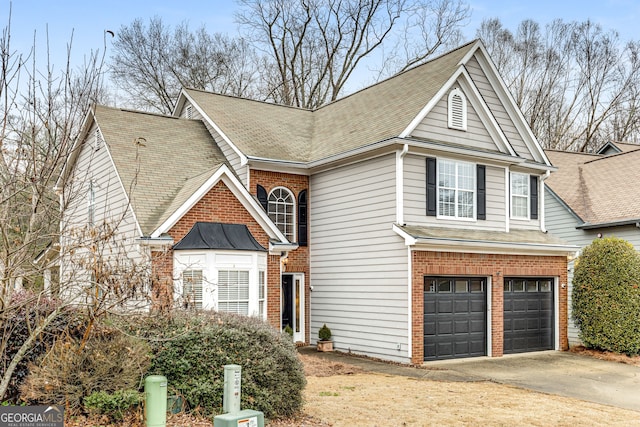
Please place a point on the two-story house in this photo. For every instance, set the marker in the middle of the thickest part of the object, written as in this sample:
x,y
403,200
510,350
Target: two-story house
x,y
408,216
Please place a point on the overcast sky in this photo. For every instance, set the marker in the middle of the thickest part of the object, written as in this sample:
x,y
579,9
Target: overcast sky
x,y
88,19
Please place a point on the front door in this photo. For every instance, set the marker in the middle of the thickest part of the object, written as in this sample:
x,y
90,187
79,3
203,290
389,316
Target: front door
x,y
292,309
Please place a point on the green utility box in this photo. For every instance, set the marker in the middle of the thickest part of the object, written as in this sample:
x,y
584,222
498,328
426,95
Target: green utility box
x,y
245,418
155,393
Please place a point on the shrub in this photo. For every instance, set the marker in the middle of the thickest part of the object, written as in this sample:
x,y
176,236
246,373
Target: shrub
x,y
109,361
18,324
113,405
324,333
606,296
191,350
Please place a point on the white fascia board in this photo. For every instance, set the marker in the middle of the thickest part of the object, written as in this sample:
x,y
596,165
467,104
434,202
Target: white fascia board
x,y
239,191
478,104
75,150
485,114
75,153
432,103
510,104
160,242
409,240
243,157
276,248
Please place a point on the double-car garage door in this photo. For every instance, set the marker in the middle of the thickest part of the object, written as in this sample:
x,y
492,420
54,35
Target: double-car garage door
x,y
455,316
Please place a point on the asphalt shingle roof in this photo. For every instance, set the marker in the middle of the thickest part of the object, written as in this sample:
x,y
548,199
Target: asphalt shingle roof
x,y
599,189
373,114
158,174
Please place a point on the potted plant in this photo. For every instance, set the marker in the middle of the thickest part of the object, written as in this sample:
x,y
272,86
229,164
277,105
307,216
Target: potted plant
x,y
324,343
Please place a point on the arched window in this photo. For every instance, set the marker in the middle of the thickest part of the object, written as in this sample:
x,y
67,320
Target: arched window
x,y
457,110
281,211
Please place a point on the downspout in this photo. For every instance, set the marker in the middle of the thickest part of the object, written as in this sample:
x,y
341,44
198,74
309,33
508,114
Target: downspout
x,y
400,221
543,226
400,184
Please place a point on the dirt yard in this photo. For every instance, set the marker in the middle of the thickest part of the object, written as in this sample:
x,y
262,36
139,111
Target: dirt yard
x,y
338,394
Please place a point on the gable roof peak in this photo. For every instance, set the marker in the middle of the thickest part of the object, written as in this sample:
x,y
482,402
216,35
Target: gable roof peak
x,y
426,63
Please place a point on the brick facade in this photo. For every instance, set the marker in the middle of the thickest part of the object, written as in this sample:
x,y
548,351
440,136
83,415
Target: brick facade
x,y
220,205
298,260
494,266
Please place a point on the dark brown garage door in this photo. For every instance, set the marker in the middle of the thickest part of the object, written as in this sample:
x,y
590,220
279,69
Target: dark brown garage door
x,y
528,315
455,317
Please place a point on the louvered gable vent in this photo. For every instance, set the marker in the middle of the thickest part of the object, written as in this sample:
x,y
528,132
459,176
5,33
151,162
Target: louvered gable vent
x,y
457,110
99,141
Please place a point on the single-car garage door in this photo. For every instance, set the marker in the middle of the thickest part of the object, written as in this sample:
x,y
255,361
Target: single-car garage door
x,y
528,315
455,317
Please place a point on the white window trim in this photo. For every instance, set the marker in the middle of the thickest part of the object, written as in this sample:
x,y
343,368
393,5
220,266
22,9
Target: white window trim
x,y
475,191
450,110
211,262
528,196
294,218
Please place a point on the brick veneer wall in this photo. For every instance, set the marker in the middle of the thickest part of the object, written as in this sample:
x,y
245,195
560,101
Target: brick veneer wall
x,y
485,265
218,205
298,260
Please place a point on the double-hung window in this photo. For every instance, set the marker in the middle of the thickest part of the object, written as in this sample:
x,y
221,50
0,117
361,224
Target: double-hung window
x,y
519,195
233,291
456,189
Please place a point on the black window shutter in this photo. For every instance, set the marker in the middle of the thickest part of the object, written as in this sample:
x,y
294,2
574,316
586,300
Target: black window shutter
x,y
533,190
302,218
432,191
481,193
263,197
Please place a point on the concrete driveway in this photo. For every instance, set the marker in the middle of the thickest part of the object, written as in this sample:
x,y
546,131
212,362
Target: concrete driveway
x,y
553,372
562,373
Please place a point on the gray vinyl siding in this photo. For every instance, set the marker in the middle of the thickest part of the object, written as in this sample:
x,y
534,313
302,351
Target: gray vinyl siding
x,y
497,108
110,207
359,266
435,127
232,157
415,196
562,223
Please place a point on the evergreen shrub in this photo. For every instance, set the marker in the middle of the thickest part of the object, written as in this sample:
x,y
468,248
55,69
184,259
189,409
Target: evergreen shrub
x,y
191,349
606,296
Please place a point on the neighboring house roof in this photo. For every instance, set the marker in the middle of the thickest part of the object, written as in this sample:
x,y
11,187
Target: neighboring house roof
x,y
157,173
380,112
216,235
613,147
599,189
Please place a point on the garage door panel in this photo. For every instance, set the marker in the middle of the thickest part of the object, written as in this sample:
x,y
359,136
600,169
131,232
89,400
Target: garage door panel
x,y
445,327
445,306
461,306
455,312
528,315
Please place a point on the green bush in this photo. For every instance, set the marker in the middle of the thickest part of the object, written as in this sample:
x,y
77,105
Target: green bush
x,y
324,333
606,296
72,370
191,350
114,405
